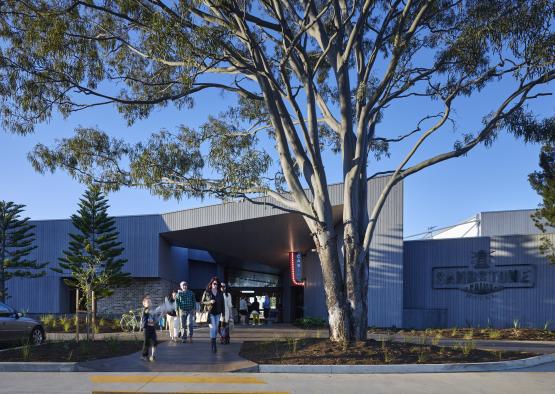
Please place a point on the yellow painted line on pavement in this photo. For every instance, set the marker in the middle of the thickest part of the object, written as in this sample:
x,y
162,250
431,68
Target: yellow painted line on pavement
x,y
175,379
193,392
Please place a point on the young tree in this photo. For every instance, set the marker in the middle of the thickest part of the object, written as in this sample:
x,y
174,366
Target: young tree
x,y
16,243
304,74
93,256
543,182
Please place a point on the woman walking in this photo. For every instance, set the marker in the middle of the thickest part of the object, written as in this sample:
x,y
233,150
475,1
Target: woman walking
x,y
171,315
213,303
226,316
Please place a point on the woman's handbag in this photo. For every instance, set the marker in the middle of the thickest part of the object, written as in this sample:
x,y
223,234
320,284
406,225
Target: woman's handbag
x,y
202,317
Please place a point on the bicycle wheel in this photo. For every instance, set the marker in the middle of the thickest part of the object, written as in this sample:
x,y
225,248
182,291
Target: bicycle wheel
x,y
128,323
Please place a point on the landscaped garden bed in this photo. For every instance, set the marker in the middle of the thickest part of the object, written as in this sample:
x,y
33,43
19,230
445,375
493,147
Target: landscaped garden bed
x,y
313,351
71,351
67,324
514,334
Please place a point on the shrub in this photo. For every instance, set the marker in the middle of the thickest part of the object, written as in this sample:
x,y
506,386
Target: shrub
x,y
436,339
26,351
469,334
310,322
65,323
516,327
48,321
494,334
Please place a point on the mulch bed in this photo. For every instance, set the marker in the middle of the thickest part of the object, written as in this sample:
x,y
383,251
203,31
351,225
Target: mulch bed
x,y
520,334
71,351
312,351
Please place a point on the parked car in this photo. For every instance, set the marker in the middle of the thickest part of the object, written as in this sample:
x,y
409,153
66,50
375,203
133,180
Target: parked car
x,y
14,327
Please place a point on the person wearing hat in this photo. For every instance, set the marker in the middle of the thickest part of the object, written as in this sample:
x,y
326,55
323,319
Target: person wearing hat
x,y
185,302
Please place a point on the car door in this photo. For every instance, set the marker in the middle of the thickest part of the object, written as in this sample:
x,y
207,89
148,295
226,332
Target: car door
x,y
6,329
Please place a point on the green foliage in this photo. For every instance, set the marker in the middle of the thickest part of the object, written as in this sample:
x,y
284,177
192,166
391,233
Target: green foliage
x,y
469,334
26,349
65,323
467,347
494,334
16,244
48,320
310,322
93,257
543,182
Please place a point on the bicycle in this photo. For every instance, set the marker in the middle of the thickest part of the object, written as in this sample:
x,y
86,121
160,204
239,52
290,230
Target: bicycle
x,y
131,322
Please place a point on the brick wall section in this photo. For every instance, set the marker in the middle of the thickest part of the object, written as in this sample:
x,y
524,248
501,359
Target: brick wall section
x,y
131,297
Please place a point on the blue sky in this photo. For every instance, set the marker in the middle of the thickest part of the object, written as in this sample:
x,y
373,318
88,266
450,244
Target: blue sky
x,y
485,180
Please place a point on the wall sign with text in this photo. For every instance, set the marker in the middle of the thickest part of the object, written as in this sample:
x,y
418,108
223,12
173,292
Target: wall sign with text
x,y
296,266
482,277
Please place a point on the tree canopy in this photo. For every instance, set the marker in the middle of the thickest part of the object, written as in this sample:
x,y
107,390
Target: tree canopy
x,y
543,182
94,252
306,75
16,244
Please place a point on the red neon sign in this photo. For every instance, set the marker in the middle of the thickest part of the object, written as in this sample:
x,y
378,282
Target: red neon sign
x,y
296,266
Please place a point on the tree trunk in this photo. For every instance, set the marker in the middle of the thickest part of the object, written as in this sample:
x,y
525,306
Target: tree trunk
x,y
93,313
338,310
77,315
2,270
356,284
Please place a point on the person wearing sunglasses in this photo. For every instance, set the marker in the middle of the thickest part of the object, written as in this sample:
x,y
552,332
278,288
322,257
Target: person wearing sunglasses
x,y
213,303
226,316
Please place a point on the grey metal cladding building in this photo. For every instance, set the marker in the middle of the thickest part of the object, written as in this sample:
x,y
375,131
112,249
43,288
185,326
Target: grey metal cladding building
x,y
425,283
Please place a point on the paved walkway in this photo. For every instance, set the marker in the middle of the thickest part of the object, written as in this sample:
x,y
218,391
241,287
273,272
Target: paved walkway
x,y
195,357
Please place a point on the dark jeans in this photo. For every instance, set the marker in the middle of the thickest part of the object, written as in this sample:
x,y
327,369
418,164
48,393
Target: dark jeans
x,y
266,315
149,341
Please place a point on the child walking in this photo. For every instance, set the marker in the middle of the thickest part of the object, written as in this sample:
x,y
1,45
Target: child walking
x,y
148,324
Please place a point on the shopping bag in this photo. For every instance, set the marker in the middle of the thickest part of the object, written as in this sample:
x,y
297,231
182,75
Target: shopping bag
x,y
202,317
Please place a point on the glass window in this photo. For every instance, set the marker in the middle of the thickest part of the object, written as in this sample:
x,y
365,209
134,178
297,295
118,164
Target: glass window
x,y
241,278
5,310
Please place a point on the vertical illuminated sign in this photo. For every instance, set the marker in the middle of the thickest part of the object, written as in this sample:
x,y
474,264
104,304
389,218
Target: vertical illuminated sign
x,y
296,265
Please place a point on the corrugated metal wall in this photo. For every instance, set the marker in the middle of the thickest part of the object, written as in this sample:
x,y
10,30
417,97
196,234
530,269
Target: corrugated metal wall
x,y
385,282
40,295
314,296
231,212
532,307
140,238
507,223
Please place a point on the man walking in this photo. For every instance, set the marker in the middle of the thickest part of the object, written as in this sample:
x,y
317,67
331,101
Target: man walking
x,y
185,302
266,307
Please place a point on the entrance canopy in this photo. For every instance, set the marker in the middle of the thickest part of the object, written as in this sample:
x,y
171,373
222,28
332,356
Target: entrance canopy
x,y
266,240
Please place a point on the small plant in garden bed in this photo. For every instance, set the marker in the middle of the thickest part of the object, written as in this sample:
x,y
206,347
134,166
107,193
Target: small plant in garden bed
x,y
67,324
71,351
315,351
311,322
514,333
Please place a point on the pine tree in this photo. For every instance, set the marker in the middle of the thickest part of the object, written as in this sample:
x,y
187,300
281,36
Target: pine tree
x,y
93,256
543,182
16,243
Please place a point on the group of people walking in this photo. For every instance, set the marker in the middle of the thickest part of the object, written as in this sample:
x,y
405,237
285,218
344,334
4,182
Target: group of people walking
x,y
180,310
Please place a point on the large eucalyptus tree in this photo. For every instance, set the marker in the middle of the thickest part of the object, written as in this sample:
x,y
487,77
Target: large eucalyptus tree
x,y
305,74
